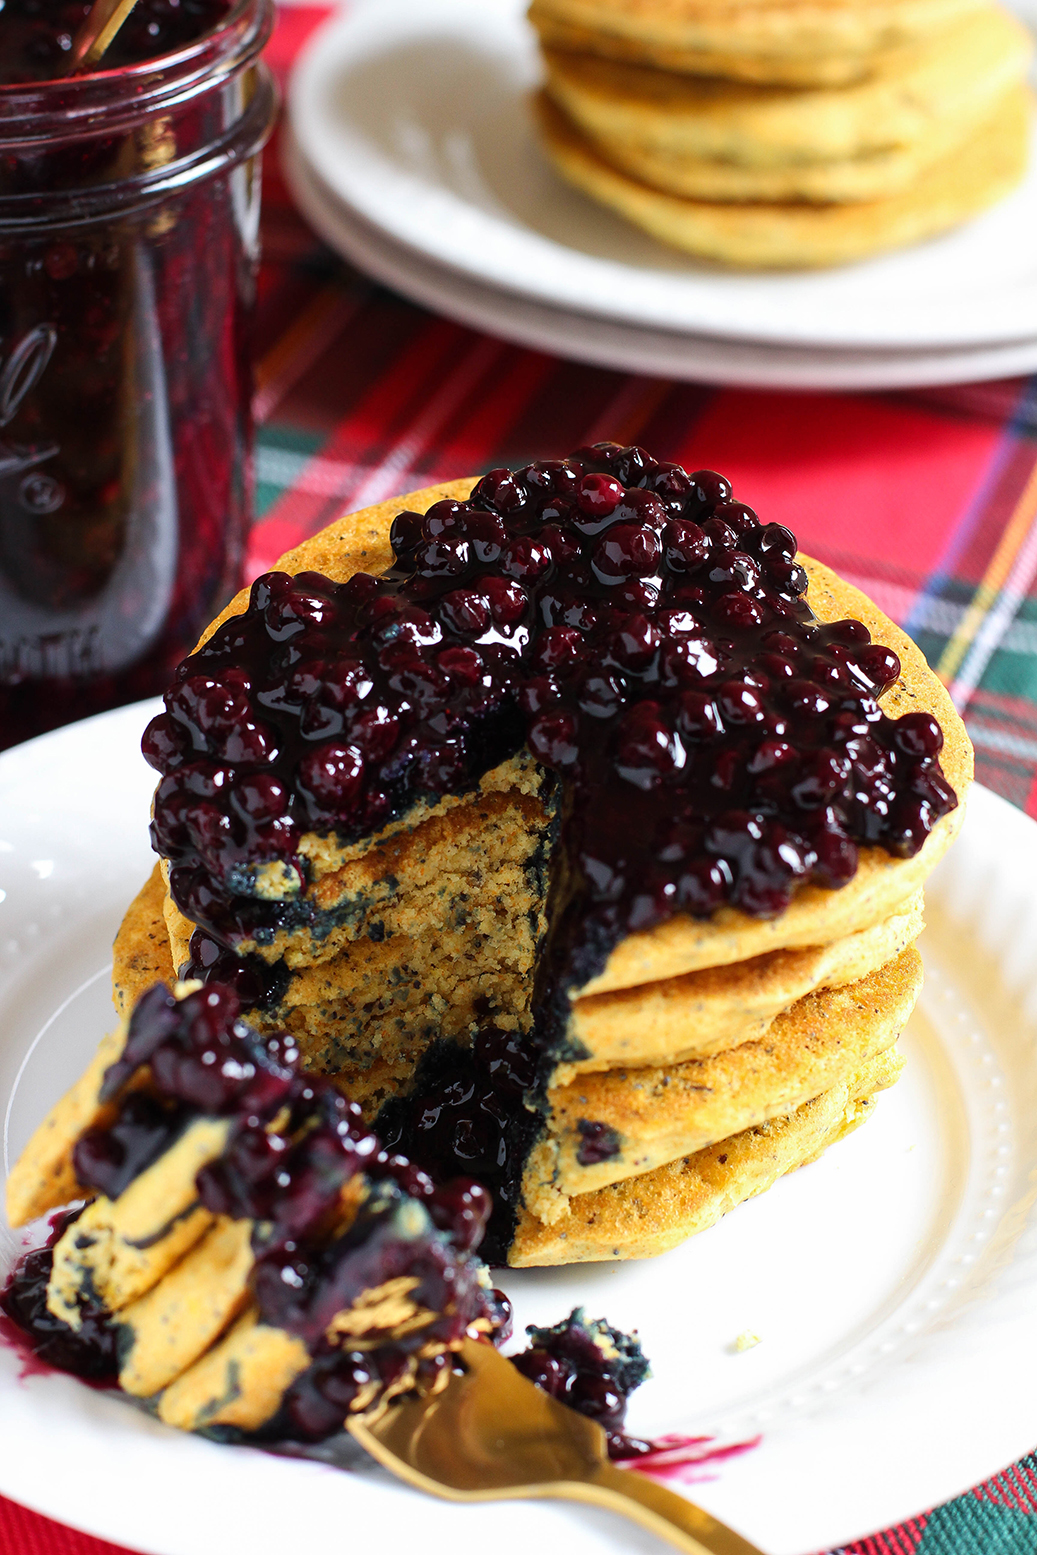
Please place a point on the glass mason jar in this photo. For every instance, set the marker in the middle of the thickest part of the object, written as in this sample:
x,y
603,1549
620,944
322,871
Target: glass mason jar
x,y
129,209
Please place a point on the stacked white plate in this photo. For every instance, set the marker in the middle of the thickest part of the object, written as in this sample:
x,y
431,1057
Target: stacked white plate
x,y
411,150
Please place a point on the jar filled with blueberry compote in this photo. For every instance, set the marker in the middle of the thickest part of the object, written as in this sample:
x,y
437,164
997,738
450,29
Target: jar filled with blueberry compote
x,y
129,206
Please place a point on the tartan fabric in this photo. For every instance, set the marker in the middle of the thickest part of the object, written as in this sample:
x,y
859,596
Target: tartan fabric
x,y
928,501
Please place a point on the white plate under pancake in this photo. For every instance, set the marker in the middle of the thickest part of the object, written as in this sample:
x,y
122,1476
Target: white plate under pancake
x,y
892,1284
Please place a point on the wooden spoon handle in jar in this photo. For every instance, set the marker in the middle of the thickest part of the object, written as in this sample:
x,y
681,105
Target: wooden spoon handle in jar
x,y
97,31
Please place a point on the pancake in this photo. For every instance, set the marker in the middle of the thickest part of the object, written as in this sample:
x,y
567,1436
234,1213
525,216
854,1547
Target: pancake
x,y
176,1321
142,954
951,81
684,1102
757,69
790,44
668,1021
877,175
652,1116
648,1215
116,1251
795,236
815,916
710,1011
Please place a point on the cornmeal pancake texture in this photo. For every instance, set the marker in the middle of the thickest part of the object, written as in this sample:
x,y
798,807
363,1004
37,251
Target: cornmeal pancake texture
x,y
721,140
876,175
954,81
661,1114
706,1058
647,1215
759,235
796,44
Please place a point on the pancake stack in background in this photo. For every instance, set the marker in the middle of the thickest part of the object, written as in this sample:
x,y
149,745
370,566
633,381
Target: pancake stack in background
x,y
786,134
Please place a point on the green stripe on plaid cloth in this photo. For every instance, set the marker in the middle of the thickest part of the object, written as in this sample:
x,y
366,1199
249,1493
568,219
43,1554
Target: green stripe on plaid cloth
x,y
997,1518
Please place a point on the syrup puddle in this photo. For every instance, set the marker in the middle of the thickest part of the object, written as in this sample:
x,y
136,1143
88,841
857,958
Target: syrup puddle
x,y
686,1459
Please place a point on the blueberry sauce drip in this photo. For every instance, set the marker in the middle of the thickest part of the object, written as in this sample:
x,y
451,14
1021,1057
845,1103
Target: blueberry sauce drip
x,y
465,1113
592,1368
296,1147
258,984
90,1352
108,1159
646,637
36,35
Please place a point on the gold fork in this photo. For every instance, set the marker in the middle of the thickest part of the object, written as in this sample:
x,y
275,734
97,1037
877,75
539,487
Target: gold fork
x,y
491,1435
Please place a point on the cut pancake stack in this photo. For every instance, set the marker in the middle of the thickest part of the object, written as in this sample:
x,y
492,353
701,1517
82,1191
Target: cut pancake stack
x,y
705,1060
786,134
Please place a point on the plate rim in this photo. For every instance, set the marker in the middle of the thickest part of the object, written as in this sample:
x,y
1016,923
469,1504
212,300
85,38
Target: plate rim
x,y
540,326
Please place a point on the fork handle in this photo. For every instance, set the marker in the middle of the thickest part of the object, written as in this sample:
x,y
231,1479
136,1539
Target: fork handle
x,y
669,1516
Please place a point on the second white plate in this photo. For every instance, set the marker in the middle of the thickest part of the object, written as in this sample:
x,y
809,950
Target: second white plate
x,y
630,347
415,114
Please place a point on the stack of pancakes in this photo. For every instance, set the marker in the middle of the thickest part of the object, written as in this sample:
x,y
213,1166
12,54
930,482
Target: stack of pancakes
x,y
705,1059
786,134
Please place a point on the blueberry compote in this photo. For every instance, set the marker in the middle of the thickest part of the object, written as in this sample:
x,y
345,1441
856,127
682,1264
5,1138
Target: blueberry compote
x,y
593,1368
640,631
334,1215
36,35
90,1352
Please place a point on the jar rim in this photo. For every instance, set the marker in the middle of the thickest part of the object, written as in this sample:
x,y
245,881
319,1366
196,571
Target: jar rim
x,y
107,101
32,214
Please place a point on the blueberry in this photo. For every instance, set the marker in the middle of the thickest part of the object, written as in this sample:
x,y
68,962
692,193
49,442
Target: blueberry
x,y
333,774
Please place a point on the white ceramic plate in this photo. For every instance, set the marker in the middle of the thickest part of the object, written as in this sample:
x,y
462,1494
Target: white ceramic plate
x,y
610,343
415,113
892,1284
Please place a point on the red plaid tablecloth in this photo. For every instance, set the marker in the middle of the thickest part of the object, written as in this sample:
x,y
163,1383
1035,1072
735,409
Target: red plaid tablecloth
x,y
927,501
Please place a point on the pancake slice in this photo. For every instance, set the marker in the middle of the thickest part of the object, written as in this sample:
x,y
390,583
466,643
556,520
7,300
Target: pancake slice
x,y
948,84
118,1249
790,43
644,1216
165,1331
710,1011
142,947
43,1177
239,1382
872,176
652,1116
